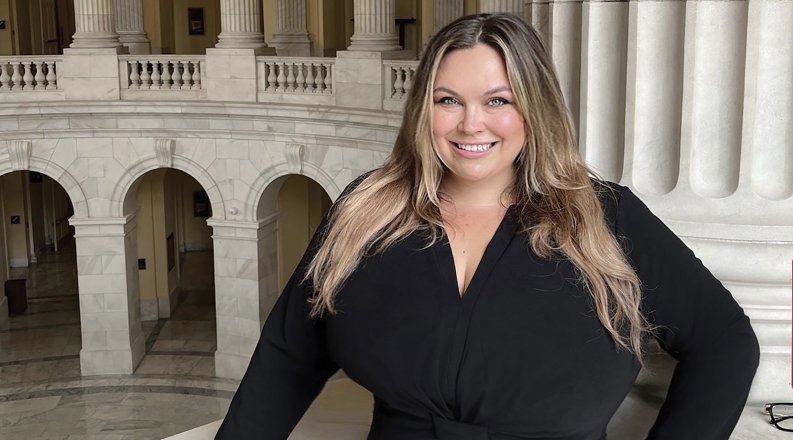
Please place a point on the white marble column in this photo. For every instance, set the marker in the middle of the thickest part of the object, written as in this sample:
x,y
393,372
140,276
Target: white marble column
x,y
94,25
511,6
564,42
715,53
446,11
107,279
602,120
240,25
375,29
654,96
245,289
129,25
291,37
768,114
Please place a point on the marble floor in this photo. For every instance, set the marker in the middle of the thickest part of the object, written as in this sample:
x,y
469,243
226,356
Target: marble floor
x,y
173,392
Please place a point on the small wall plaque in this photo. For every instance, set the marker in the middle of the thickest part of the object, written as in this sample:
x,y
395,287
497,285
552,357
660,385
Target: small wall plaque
x,y
14,219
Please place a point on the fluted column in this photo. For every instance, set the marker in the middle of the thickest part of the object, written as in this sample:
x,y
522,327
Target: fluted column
x,y
447,11
715,51
375,30
511,6
94,25
768,105
602,121
240,25
564,41
129,25
654,95
291,37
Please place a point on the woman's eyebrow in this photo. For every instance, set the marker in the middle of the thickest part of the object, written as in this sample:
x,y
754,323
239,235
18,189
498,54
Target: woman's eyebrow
x,y
487,92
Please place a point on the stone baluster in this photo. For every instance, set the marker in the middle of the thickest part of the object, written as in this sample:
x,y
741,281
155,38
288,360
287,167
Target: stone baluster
x,y
398,83
134,75
654,95
16,77
300,80
769,110
129,26
281,80
155,75
291,38
187,76
94,25
145,76
27,78
196,75
375,29
176,76
447,11
602,121
52,78
271,77
715,42
310,78
166,74
328,79
40,85
5,78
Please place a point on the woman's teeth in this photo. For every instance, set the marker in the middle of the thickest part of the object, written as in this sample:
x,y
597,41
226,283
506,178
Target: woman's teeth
x,y
474,147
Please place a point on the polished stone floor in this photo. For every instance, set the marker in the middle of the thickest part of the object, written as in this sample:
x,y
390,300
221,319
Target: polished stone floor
x,y
42,395
174,392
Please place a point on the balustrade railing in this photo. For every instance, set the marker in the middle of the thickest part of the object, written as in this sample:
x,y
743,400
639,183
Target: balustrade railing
x,y
398,79
161,72
28,73
296,75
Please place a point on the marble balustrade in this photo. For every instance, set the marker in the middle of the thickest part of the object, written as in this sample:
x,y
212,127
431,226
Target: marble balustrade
x,y
29,73
398,79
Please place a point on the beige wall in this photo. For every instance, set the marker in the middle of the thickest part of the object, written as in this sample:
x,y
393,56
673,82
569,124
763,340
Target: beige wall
x,y
158,24
37,218
184,43
6,39
158,194
301,205
16,235
196,234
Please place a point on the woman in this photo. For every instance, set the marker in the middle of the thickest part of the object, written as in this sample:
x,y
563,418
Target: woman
x,y
482,286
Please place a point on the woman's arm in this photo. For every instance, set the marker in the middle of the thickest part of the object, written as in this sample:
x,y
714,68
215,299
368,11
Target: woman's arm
x,y
700,324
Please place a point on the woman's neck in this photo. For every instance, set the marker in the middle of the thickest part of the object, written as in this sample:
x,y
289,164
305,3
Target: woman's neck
x,y
475,194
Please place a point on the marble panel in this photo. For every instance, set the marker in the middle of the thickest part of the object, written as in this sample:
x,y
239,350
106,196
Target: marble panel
x,y
90,265
149,309
140,122
359,95
91,88
94,362
315,129
42,124
115,302
232,149
104,283
356,159
92,303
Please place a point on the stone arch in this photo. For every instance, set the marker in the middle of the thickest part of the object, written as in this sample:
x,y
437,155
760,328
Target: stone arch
x,y
122,204
263,193
58,174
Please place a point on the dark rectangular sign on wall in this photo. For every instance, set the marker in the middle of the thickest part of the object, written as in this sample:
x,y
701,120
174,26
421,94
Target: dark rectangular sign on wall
x,y
195,21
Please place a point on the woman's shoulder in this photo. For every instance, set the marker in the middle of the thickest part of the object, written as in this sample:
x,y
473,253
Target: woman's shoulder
x,y
609,194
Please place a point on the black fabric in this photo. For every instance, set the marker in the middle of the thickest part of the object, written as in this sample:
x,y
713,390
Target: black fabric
x,y
521,355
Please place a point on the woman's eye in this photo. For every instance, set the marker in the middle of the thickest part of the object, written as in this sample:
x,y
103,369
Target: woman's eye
x,y
447,100
497,102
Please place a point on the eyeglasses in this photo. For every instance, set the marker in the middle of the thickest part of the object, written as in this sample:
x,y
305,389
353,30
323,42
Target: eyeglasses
x,y
781,415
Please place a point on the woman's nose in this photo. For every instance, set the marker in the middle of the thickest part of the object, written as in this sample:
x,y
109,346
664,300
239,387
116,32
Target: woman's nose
x,y
472,120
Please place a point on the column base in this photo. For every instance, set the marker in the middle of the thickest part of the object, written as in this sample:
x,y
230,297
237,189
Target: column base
x,y
374,43
112,360
291,44
136,42
90,40
231,366
253,41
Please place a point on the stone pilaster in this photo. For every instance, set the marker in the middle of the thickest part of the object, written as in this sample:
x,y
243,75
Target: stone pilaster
x,y
375,30
107,277
94,25
291,37
245,289
511,6
129,25
446,11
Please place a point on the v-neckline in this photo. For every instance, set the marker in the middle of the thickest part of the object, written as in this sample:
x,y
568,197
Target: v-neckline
x,y
494,248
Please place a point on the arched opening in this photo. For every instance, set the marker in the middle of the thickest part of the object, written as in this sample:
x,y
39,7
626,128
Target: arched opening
x,y
175,273
40,334
302,203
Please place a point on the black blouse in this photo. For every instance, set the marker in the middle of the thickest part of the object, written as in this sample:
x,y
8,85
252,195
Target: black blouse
x,y
522,355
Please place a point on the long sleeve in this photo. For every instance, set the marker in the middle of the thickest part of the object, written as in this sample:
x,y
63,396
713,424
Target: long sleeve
x,y
699,323
287,371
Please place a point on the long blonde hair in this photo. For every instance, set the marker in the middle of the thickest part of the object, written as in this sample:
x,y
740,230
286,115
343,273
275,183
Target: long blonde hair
x,y
557,205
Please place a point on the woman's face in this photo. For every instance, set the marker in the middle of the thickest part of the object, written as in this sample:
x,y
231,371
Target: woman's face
x,y
477,127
